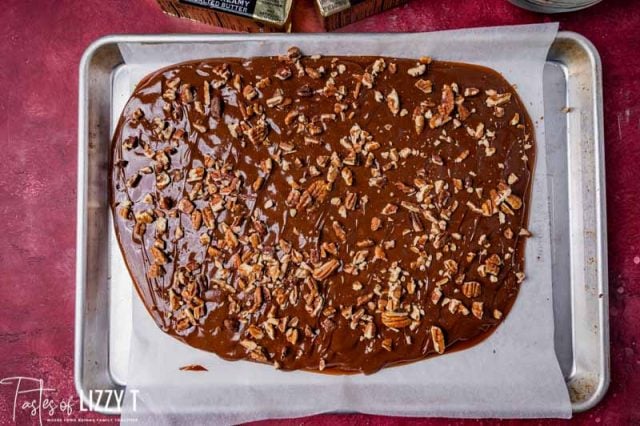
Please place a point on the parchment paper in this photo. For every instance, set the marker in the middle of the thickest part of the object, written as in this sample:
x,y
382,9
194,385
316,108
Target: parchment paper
x,y
514,373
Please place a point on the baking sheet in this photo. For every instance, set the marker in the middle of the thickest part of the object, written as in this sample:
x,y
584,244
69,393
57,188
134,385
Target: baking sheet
x,y
514,373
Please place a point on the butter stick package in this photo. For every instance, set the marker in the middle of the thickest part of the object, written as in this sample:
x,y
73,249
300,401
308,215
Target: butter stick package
x,y
239,15
338,13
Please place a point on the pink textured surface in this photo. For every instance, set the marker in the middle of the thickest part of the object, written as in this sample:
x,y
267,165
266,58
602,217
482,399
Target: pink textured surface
x,y
40,46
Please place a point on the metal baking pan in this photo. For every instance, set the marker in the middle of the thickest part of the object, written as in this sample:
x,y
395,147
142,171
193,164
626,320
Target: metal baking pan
x,y
575,163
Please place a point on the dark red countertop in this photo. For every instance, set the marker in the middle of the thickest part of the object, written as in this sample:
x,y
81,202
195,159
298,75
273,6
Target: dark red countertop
x,y
41,43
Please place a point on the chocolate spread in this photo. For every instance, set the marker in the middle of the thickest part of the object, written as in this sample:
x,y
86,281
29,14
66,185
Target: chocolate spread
x,y
324,213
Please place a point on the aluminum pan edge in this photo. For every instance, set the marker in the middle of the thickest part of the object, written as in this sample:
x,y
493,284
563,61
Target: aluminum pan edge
x,y
604,377
81,228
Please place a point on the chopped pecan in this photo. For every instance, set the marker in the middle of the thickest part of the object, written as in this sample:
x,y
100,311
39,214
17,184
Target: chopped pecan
x,y
393,102
325,270
341,234
477,309
437,337
249,92
396,319
418,70
424,85
471,289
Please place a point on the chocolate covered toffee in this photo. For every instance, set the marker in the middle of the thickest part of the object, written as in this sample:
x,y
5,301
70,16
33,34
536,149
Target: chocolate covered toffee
x,y
324,213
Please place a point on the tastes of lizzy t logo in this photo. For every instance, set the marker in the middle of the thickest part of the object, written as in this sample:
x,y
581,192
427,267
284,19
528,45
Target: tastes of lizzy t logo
x,y
34,399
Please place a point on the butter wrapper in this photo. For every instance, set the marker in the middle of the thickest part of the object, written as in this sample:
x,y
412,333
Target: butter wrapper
x,y
238,15
338,13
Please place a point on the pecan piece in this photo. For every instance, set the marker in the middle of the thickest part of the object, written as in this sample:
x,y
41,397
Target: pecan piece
x,y
418,120
292,335
196,219
417,71
351,200
471,91
283,73
424,85
393,102
389,209
294,53
249,92
274,101
437,337
257,133
325,270
471,289
185,206
436,295
341,234
495,99
158,255
514,201
208,217
347,176
369,331
313,73
477,309
451,267
396,319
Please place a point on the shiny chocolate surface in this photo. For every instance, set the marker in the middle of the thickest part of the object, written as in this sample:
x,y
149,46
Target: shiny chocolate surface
x,y
324,213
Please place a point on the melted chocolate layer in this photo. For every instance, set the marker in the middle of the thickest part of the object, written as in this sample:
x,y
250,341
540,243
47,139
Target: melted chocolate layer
x,y
338,213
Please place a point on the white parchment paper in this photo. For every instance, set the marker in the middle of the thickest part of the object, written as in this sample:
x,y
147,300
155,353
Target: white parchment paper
x,y
513,373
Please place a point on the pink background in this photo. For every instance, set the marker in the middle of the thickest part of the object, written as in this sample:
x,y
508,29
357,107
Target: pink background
x,y
40,47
